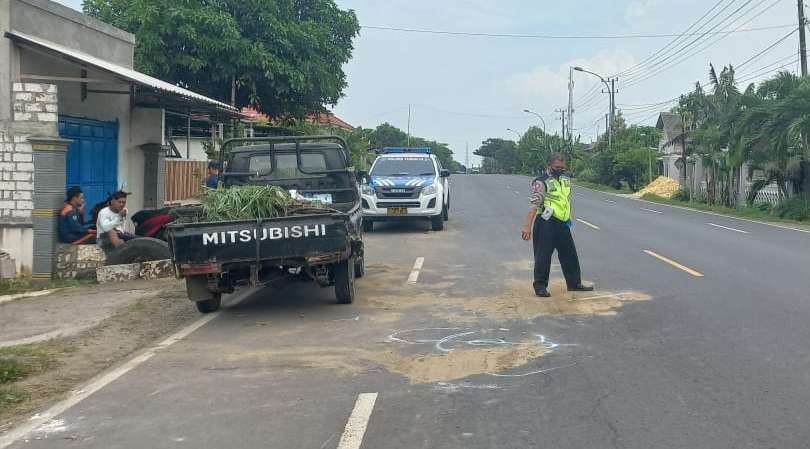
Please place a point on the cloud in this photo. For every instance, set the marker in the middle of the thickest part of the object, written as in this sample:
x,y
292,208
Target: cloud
x,y
639,9
552,83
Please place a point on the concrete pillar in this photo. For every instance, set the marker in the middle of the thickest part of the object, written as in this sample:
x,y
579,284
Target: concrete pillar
x,y
153,175
49,193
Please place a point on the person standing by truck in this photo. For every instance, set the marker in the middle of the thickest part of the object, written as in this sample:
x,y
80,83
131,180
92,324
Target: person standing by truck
x,y
548,224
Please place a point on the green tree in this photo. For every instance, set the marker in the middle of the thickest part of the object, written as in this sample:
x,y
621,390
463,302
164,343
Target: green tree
x,y
285,57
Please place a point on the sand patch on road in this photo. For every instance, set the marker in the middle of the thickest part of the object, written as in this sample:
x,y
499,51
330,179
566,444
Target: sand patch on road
x,y
458,364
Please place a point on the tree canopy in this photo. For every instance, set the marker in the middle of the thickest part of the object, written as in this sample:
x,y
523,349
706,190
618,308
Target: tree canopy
x,y
285,57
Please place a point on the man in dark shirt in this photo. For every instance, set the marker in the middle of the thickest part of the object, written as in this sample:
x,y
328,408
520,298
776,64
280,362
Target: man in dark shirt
x,y
213,175
71,220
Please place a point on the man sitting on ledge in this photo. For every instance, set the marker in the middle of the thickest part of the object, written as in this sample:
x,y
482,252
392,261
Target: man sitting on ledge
x,y
72,228
110,224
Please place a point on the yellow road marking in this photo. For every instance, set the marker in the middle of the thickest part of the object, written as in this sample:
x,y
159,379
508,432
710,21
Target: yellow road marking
x,y
588,224
674,264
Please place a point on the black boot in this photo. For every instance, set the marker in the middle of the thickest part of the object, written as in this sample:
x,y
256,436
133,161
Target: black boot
x,y
581,288
542,292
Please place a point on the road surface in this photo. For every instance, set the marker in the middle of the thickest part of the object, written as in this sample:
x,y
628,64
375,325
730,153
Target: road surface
x,y
697,337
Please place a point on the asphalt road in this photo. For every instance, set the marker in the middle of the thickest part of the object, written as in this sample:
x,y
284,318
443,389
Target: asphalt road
x,y
700,343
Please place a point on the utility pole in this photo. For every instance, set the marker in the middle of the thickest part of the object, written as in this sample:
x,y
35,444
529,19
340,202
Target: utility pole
x,y
612,111
467,157
409,126
570,103
802,42
562,112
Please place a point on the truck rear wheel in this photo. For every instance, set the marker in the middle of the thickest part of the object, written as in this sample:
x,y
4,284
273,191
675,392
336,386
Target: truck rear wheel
x,y
359,266
210,305
437,222
343,273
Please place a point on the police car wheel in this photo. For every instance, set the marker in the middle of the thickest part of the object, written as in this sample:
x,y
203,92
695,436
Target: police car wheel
x,y
343,274
437,223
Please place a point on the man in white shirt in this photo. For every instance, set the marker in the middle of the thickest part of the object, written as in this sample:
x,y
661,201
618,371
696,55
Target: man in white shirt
x,y
110,223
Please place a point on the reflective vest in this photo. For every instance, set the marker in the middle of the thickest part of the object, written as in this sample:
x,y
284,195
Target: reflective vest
x,y
558,197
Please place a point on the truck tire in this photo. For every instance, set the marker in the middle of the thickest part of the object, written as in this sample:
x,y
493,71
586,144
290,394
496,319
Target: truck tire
x,y
343,273
368,225
359,267
141,249
210,305
437,222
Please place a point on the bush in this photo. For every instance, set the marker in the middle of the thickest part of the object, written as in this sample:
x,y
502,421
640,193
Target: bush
x,y
681,195
796,208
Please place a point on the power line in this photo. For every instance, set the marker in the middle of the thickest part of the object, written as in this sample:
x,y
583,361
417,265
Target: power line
x,y
782,39
673,42
690,55
638,78
558,37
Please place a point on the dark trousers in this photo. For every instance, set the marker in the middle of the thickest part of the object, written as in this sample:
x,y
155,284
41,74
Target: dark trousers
x,y
547,236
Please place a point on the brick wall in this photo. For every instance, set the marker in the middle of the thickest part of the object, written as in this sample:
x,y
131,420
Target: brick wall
x,y
33,104
16,178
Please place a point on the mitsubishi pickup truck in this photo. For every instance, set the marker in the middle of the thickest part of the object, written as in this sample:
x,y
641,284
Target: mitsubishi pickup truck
x,y
322,244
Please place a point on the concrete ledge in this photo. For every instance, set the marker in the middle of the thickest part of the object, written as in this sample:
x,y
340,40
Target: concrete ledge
x,y
155,269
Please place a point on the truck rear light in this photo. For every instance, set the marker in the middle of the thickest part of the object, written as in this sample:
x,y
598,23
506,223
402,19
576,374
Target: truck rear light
x,y
190,269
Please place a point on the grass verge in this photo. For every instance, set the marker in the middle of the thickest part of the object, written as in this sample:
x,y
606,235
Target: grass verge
x,y
26,285
752,213
601,187
17,363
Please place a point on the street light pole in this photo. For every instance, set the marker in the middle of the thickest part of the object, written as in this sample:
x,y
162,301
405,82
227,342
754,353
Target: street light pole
x,y
545,135
611,88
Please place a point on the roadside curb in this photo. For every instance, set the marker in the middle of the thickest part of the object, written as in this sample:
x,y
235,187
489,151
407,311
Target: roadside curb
x,y
33,294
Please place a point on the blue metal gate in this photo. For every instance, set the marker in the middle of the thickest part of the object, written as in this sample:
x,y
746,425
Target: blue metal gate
x,y
92,157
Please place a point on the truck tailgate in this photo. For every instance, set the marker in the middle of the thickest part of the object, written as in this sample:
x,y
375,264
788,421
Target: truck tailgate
x,y
301,236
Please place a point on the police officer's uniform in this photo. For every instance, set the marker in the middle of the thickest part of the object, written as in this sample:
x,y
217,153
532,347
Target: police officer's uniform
x,y
552,230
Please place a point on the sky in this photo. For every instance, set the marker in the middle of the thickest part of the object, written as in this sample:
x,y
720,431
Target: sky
x,y
464,89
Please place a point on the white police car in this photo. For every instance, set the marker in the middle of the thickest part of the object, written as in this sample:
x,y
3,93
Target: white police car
x,y
406,184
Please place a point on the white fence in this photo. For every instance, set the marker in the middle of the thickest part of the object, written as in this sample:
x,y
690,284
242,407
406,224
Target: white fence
x,y
768,194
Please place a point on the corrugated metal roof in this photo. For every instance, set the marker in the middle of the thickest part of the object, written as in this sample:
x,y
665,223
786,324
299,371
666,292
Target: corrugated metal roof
x,y
119,71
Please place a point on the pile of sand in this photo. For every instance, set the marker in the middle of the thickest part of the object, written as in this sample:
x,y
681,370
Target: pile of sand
x,y
663,187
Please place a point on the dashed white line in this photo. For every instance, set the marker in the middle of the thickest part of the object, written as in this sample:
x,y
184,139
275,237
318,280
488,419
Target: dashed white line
x,y
358,422
417,267
591,225
579,194
674,263
610,201
727,228
651,210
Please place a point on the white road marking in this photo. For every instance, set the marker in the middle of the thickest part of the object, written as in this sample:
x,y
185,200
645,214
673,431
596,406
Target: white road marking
x,y
728,229
101,381
414,276
674,264
358,421
651,210
579,194
516,192
610,201
730,217
588,224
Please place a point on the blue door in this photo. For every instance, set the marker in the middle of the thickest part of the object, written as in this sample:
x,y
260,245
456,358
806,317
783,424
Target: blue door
x,y
92,157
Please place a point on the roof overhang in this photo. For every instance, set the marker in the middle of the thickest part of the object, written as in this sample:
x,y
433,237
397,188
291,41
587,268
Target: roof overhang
x,y
147,91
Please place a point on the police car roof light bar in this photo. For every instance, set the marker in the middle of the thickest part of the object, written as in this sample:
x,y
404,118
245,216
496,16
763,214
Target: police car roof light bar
x,y
423,150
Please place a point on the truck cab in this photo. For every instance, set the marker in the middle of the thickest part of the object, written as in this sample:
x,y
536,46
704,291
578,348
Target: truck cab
x,y
406,184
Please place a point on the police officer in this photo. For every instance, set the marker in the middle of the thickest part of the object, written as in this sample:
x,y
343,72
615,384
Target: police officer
x,y
551,213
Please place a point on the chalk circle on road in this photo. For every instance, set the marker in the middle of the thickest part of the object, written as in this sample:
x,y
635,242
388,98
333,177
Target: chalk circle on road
x,y
449,339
